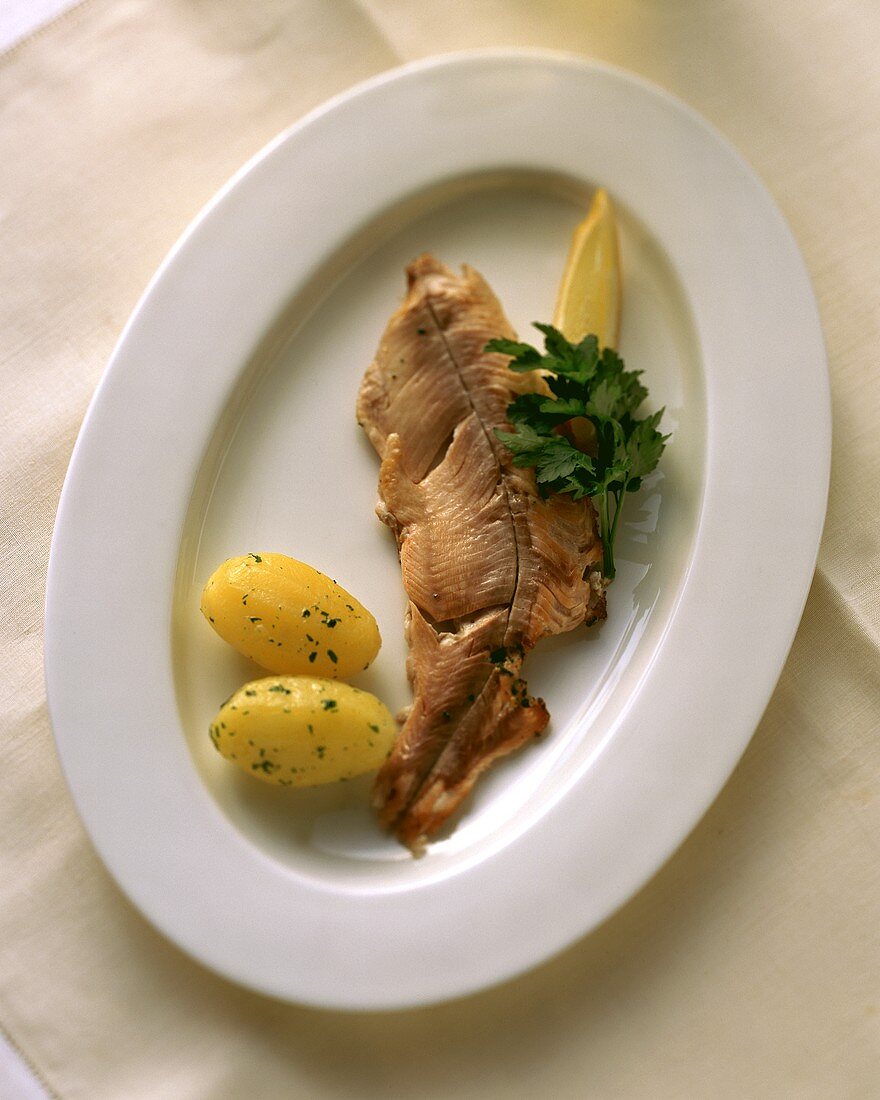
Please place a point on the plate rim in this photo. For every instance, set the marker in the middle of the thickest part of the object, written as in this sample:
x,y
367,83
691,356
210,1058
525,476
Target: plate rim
x,y
71,499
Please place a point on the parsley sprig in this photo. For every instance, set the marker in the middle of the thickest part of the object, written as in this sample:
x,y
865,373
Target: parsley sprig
x,y
593,383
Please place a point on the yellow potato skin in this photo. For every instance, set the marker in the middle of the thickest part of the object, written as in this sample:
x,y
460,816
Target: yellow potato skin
x,y
300,731
289,618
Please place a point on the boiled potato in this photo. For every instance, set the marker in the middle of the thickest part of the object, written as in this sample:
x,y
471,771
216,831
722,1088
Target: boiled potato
x,y
303,730
288,617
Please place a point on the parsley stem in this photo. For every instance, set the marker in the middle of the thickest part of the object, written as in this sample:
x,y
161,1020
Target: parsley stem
x,y
607,532
618,505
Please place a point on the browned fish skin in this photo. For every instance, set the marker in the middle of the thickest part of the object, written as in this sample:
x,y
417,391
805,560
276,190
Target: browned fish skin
x,y
489,567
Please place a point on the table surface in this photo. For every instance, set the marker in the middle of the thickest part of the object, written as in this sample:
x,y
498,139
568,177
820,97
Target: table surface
x,y
18,20
748,966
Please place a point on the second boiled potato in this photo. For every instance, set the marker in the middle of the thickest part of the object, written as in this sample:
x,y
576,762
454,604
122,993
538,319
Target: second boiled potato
x,y
289,618
299,731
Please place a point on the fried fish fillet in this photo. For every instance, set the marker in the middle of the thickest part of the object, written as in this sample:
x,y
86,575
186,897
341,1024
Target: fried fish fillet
x,y
489,566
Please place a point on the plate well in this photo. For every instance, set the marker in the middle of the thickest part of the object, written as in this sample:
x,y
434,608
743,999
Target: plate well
x,y
289,470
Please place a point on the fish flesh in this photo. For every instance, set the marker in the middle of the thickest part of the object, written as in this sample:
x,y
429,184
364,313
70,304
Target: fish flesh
x,y
490,566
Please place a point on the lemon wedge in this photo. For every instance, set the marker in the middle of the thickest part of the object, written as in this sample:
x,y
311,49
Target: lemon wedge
x,y
589,294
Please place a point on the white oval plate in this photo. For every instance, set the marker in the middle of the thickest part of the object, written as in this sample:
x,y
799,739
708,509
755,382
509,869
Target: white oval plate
x,y
225,423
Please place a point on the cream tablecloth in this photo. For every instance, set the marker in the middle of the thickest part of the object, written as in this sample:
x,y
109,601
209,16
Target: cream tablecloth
x,y
749,966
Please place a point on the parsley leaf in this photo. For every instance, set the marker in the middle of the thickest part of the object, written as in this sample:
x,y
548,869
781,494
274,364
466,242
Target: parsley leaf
x,y
557,459
591,383
523,356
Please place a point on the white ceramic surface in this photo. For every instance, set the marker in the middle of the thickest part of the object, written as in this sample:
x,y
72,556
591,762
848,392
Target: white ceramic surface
x,y
21,18
225,424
